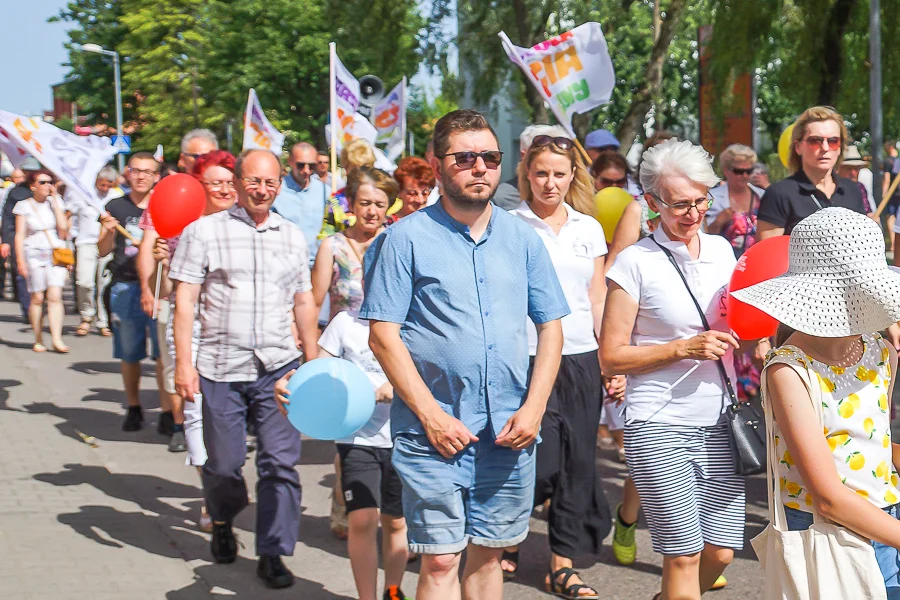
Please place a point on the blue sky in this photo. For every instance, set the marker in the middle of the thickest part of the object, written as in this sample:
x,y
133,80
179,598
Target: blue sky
x,y
31,55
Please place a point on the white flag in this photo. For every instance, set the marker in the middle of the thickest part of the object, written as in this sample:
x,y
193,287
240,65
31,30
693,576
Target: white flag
x,y
352,127
159,155
573,71
74,159
390,114
346,87
15,154
259,134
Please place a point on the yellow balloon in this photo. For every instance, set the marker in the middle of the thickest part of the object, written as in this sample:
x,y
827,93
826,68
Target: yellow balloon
x,y
609,204
784,145
395,207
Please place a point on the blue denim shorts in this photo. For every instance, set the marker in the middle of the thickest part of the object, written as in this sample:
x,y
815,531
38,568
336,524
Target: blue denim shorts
x,y
131,327
888,557
483,495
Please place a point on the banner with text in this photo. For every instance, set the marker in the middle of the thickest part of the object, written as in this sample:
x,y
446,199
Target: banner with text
x,y
74,159
390,114
352,127
573,71
259,134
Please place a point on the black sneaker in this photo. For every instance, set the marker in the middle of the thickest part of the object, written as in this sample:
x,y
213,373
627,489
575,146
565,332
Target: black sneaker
x,y
271,570
223,545
165,425
177,443
134,420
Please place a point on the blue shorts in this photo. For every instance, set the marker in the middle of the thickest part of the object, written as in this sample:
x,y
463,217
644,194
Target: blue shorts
x,y
483,495
888,557
131,327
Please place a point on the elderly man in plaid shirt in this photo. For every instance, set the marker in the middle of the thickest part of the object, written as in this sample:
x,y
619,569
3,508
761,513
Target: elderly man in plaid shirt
x,y
248,267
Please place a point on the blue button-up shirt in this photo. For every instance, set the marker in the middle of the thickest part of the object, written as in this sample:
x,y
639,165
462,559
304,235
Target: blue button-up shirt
x,y
462,306
305,208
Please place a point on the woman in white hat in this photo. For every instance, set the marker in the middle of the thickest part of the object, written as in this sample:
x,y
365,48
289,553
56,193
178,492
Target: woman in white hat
x,y
676,437
837,294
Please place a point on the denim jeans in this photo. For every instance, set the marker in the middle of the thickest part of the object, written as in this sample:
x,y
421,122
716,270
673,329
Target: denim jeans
x,y
888,557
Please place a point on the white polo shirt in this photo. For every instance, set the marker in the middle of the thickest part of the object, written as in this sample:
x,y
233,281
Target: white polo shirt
x,y
688,392
572,251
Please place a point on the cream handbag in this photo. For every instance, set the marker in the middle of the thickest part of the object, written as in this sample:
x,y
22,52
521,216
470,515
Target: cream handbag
x,y
825,562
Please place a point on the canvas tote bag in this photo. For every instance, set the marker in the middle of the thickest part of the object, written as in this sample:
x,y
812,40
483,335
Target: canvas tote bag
x,y
825,562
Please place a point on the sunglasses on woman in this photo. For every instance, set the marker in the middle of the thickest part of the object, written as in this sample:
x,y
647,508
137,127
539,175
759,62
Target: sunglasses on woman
x,y
467,160
545,140
816,141
737,171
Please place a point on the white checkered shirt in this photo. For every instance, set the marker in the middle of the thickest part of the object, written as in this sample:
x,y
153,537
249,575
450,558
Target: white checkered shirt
x,y
249,275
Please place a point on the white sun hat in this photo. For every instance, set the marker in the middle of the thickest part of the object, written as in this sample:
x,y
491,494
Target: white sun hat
x,y
838,282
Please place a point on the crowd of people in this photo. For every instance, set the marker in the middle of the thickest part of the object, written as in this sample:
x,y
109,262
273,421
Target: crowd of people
x,y
504,339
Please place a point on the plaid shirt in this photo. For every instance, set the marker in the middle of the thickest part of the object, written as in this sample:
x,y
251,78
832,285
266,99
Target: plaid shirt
x,y
249,275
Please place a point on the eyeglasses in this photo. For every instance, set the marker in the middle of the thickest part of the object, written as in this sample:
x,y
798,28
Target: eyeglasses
x,y
218,185
300,165
737,171
816,141
614,182
467,160
194,155
679,209
143,172
43,182
545,140
255,182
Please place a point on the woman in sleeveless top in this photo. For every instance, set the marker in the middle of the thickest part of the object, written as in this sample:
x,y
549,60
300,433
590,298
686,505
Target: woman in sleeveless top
x,y
837,293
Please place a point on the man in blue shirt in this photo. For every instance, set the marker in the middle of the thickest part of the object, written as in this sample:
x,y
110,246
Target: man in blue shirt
x,y
448,291
302,197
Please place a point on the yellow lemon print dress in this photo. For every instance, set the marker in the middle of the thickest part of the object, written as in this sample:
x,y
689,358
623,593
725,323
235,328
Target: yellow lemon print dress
x,y
856,415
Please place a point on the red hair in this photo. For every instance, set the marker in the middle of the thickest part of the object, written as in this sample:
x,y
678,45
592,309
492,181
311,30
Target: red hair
x,y
31,176
413,169
216,158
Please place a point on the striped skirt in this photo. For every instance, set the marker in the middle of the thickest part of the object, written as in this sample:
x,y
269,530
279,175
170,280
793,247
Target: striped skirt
x,y
689,492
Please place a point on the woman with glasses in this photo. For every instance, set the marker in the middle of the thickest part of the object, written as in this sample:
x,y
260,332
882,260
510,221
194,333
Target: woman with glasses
x,y
556,191
416,179
676,438
41,227
818,143
736,202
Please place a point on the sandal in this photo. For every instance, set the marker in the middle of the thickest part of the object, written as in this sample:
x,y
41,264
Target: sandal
x,y
83,329
61,349
105,331
39,347
513,558
561,589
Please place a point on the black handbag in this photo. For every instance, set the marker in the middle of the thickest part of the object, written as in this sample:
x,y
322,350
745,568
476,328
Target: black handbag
x,y
746,425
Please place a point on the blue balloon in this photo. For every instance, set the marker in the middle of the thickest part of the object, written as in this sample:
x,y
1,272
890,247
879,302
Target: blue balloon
x,y
331,398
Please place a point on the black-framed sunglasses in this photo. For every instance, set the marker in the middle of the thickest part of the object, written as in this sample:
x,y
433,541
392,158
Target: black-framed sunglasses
x,y
563,143
467,160
679,209
737,171
43,181
300,165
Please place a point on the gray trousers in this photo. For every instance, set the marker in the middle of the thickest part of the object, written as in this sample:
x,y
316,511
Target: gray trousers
x,y
226,408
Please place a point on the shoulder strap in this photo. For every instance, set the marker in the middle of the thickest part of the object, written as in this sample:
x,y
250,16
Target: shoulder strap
x,y
726,380
46,230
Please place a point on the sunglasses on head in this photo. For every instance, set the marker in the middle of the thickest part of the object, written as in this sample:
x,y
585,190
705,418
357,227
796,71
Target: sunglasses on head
x,y
300,165
467,160
737,171
816,141
545,140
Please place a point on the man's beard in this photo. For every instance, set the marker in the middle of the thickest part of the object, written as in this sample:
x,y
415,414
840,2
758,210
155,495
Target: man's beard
x,y
464,200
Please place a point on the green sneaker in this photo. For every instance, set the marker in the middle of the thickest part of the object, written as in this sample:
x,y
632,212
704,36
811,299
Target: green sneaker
x,y
624,545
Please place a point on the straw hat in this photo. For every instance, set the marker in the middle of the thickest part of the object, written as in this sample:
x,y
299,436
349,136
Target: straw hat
x,y
838,282
852,157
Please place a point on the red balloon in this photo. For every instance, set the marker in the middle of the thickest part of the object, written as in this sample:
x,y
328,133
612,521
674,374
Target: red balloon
x,y
764,260
177,201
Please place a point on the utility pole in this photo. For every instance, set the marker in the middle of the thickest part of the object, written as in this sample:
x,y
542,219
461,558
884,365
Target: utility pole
x,y
875,118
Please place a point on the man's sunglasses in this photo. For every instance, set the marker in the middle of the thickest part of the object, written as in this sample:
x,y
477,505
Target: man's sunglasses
x,y
467,160
545,140
816,141
737,171
300,165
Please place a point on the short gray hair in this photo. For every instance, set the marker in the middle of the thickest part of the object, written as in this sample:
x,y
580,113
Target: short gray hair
x,y
674,157
108,173
736,152
532,131
203,134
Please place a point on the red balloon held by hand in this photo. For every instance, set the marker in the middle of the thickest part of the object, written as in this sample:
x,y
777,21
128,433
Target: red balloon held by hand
x,y
178,200
763,261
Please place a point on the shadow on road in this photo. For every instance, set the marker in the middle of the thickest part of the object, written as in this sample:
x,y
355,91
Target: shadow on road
x,y
93,367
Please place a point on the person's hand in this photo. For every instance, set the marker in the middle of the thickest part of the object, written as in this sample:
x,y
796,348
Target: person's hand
x,y
5,250
447,434
22,267
187,381
109,222
522,428
762,348
615,388
148,302
282,395
385,393
709,345
161,251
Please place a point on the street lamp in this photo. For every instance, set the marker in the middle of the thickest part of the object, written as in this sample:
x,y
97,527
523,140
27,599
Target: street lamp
x,y
97,49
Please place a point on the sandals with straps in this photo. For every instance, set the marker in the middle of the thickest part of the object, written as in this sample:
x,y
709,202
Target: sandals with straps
x,y
513,558
562,589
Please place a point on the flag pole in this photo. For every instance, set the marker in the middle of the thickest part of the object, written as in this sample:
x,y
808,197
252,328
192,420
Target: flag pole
x,y
247,118
332,53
